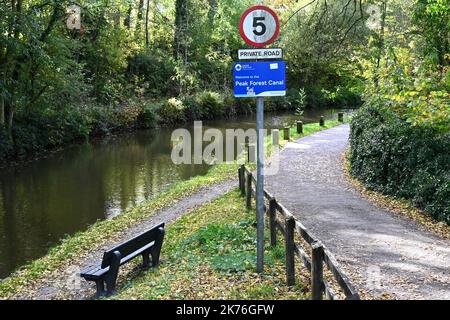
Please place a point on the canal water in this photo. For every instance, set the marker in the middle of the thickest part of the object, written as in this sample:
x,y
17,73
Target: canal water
x,y
43,201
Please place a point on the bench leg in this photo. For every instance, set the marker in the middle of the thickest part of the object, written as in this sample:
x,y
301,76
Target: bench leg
x,y
156,250
113,272
146,260
100,284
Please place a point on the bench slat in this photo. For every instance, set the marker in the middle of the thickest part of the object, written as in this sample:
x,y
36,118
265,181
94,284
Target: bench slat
x,y
129,247
95,272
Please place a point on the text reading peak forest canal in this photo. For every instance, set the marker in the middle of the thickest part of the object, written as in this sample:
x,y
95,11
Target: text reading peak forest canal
x,y
226,310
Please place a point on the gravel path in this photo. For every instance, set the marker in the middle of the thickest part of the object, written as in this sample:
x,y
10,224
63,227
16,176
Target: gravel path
x,y
383,254
66,284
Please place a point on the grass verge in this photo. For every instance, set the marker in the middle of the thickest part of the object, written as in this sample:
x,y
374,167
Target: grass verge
x,y
210,254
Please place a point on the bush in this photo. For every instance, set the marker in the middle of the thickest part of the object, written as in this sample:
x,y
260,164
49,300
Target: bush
x,y
149,116
391,156
6,148
211,104
172,112
156,70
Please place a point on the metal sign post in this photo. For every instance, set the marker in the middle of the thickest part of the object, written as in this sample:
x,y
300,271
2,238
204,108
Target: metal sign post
x,y
259,26
260,184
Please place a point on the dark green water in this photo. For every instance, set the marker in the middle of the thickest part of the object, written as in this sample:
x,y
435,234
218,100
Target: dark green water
x,y
43,201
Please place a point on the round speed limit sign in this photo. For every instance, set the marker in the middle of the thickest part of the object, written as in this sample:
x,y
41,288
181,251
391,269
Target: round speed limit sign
x,y
259,26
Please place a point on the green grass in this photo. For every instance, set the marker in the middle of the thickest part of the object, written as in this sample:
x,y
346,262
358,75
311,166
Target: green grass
x,y
210,254
80,244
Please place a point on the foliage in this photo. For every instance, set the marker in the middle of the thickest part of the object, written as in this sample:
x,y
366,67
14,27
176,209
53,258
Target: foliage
x,y
400,139
301,102
390,155
211,104
172,112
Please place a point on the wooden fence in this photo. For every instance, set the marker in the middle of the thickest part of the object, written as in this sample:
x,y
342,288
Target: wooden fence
x,y
290,227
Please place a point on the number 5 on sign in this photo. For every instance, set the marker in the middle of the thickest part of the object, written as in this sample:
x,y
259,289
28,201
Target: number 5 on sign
x,y
259,26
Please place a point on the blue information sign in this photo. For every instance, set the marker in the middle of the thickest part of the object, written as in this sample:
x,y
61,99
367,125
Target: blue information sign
x,y
260,79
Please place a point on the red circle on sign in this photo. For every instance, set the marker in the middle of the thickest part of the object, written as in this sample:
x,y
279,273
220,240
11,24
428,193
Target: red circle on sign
x,y
244,16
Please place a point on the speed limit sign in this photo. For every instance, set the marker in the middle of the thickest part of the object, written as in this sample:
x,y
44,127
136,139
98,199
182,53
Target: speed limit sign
x,y
259,26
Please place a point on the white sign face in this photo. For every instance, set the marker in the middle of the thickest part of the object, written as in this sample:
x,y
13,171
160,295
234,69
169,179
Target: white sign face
x,y
259,26
260,54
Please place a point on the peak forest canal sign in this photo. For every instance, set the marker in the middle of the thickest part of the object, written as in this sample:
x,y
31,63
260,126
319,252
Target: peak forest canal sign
x,y
260,79
259,26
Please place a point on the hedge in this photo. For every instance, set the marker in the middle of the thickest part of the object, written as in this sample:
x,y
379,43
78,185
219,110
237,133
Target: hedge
x,y
391,156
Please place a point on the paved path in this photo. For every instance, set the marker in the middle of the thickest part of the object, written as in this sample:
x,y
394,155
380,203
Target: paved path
x,y
381,253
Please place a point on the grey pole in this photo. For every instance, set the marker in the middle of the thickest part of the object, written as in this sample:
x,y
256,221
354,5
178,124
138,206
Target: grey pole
x,y
260,184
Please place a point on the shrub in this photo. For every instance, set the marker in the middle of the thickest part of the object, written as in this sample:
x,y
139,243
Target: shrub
x,y
172,111
6,148
193,110
156,70
211,104
390,155
149,116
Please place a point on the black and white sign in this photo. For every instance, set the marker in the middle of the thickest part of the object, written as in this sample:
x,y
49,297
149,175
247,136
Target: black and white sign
x,y
259,26
260,54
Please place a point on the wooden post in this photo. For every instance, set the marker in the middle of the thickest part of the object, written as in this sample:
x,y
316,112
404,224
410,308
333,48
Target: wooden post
x,y
341,117
251,153
290,251
317,271
249,190
275,137
322,121
299,126
272,221
242,179
287,133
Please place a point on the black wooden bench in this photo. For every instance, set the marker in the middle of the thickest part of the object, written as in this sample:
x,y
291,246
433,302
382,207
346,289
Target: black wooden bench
x,y
147,244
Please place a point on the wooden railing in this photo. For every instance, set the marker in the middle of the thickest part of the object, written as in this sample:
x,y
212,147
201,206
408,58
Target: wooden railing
x,y
291,228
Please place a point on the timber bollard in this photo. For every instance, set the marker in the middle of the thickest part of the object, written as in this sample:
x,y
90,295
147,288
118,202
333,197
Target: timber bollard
x,y
242,179
317,271
299,126
341,117
251,153
249,190
287,133
322,121
275,137
272,221
290,251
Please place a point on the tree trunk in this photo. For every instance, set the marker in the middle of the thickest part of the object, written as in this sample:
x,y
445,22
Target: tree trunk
x,y
147,34
180,28
10,122
380,46
127,21
212,10
2,111
140,16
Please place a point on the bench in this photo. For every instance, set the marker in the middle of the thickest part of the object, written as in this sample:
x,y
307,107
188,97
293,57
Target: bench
x,y
146,244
